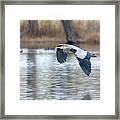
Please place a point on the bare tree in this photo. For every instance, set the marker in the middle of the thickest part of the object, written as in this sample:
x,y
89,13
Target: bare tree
x,y
33,27
69,31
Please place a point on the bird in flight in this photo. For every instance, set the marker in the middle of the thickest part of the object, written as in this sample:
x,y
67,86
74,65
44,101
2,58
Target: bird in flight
x,y
82,56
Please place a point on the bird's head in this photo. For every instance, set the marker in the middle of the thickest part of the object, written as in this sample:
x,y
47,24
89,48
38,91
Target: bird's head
x,y
64,47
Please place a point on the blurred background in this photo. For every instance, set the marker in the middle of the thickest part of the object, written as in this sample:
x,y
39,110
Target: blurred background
x,y
48,33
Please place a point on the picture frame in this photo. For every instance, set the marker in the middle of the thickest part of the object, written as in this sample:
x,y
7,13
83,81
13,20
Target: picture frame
x,y
3,43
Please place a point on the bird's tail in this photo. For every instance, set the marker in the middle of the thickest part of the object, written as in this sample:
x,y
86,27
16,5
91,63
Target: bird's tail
x,y
85,64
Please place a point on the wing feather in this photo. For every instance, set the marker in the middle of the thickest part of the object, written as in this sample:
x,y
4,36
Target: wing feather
x,y
61,55
85,64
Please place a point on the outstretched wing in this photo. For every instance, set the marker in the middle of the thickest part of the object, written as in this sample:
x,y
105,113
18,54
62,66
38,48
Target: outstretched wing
x,y
85,64
61,55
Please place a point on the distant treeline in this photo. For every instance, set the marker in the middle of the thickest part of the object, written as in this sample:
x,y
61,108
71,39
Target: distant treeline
x,y
87,31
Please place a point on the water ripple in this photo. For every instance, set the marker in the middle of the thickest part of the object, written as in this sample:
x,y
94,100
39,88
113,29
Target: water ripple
x,y
43,78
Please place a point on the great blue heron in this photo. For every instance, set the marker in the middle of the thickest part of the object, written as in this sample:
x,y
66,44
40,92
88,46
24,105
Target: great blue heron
x,y
82,56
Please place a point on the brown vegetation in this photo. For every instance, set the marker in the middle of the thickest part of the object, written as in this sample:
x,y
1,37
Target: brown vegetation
x,y
51,32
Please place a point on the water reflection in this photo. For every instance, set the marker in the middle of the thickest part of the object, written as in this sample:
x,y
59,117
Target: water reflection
x,y
28,75
43,78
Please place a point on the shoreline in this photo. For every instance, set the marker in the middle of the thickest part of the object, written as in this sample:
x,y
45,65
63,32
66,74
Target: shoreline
x,y
51,43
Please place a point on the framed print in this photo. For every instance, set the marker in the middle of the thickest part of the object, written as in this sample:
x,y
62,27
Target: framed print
x,y
60,59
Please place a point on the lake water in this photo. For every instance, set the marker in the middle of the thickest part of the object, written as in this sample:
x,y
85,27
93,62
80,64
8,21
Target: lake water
x,y
43,78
